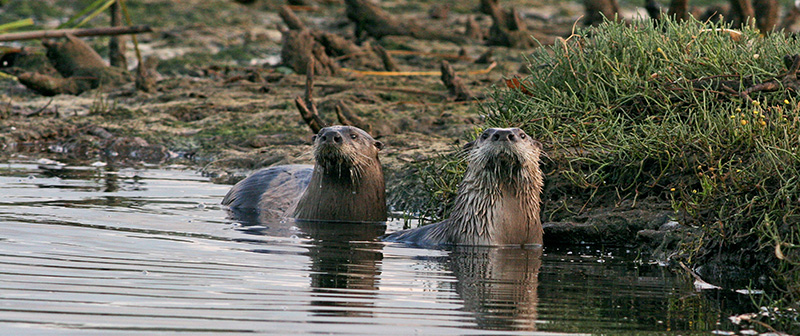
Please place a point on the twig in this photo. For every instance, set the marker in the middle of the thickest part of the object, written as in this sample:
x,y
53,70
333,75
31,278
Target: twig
x,y
307,108
34,113
416,73
454,83
423,53
388,61
291,20
103,31
788,81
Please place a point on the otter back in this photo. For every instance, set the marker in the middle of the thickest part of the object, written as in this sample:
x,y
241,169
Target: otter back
x,y
274,189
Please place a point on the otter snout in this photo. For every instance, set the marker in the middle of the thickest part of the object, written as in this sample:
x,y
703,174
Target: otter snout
x,y
331,136
504,135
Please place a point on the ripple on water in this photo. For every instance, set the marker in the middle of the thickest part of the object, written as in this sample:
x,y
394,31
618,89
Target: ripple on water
x,y
90,250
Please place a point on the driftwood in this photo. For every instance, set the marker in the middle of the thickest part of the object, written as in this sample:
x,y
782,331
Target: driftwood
x,y
653,9
302,44
79,65
116,45
597,9
306,107
104,31
767,12
301,52
742,12
679,9
347,117
388,61
507,29
474,30
290,19
146,75
373,21
486,58
50,86
454,84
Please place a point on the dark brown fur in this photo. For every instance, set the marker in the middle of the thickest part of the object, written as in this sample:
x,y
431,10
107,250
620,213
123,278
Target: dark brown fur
x,y
498,201
346,183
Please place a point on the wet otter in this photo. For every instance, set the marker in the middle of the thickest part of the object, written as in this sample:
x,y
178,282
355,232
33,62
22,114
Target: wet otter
x,y
498,200
345,184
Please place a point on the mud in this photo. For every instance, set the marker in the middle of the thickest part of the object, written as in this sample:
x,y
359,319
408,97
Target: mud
x,y
221,99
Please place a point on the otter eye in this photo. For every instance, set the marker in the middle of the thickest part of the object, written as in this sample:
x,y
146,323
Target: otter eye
x,y
522,135
485,135
353,136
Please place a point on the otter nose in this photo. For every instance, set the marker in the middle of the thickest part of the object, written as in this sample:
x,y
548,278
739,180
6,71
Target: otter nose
x,y
331,136
504,135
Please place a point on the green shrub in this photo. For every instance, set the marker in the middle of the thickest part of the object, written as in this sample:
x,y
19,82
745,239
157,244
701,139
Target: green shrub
x,y
628,112
658,111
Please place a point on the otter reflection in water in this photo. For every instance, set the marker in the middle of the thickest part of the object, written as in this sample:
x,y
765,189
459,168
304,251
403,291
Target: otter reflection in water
x,y
345,265
345,260
345,184
498,200
498,285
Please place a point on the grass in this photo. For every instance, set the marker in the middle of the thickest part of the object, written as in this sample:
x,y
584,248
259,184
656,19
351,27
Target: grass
x,y
651,111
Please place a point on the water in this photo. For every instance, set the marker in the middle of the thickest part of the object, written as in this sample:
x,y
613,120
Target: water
x,y
91,250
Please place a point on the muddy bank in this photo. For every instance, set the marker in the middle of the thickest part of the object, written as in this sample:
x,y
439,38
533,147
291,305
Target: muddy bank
x,y
223,99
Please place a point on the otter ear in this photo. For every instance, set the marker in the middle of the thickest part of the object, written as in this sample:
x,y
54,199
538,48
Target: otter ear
x,y
378,144
468,145
537,144
313,138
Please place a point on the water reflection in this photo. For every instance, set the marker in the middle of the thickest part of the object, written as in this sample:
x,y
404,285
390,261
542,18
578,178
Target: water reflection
x,y
345,260
86,250
345,265
498,285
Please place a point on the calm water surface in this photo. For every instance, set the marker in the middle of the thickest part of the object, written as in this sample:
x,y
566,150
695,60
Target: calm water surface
x,y
87,250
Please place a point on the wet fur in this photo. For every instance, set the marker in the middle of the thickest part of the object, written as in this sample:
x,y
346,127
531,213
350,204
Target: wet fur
x,y
345,184
498,202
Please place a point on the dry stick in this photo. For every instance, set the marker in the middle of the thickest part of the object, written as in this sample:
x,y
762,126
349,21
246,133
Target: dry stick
x,y
597,9
307,109
473,29
743,12
789,80
291,20
116,45
347,117
415,73
388,61
377,88
423,53
142,82
653,9
454,84
679,9
767,12
104,31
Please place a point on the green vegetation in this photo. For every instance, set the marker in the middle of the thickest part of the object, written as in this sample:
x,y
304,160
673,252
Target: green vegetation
x,y
652,112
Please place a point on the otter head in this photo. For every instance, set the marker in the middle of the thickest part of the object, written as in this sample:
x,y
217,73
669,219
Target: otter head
x,y
503,151
339,149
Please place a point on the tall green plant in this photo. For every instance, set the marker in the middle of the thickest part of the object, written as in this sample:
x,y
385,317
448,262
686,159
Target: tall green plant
x,y
644,110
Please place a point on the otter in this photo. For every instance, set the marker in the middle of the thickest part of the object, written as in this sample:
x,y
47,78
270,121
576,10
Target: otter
x,y
498,199
345,183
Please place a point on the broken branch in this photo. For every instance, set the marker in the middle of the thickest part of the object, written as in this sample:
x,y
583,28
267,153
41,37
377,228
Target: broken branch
x,y
104,31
